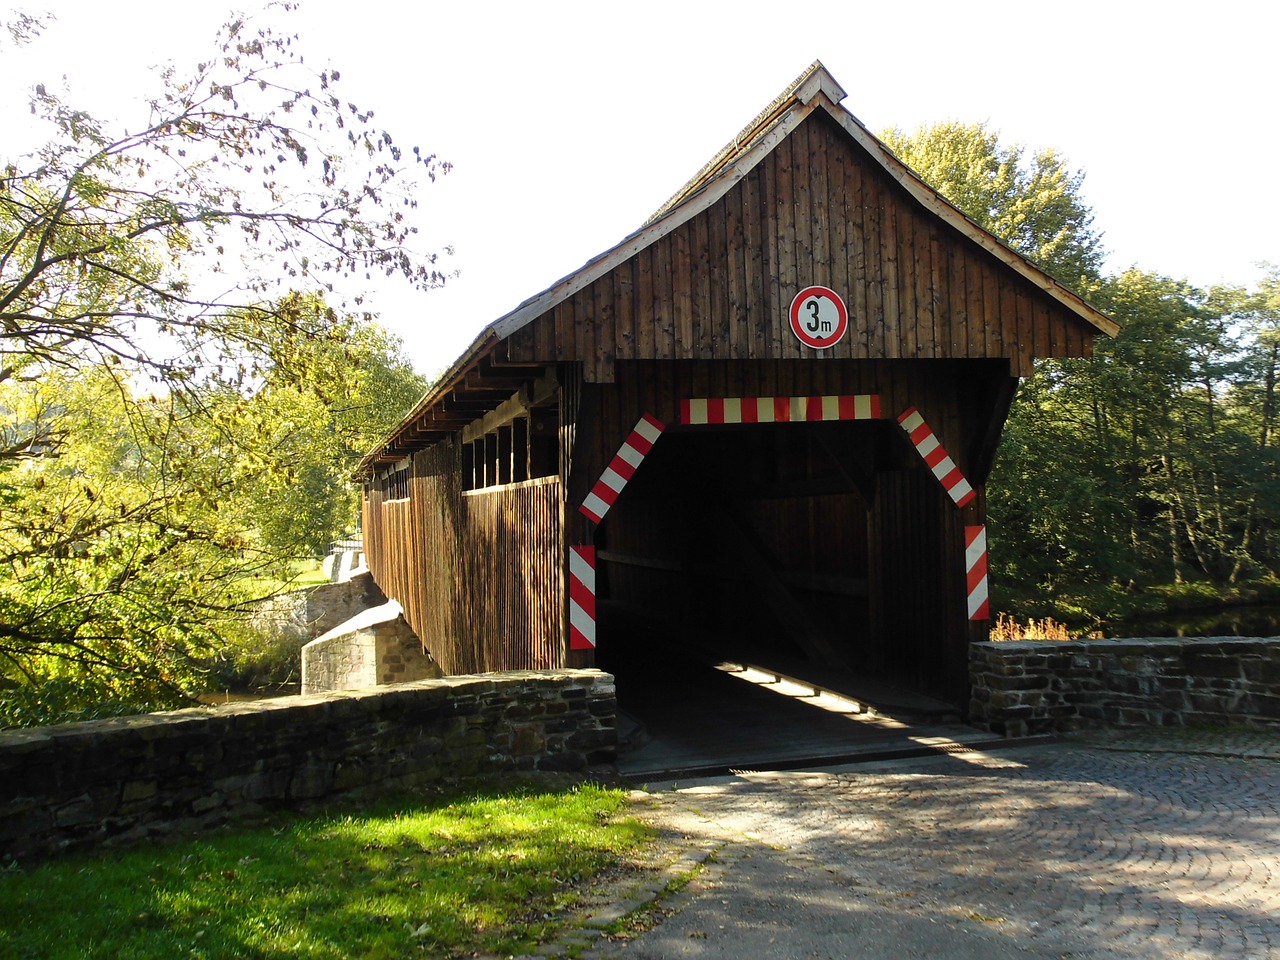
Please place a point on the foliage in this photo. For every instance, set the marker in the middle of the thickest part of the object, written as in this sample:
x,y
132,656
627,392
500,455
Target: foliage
x,y
486,874
180,405
251,176
136,544
1007,628
315,428
1031,201
1153,462
1156,460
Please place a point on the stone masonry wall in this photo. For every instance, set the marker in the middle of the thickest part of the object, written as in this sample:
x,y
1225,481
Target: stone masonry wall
x,y
1032,687
376,646
81,784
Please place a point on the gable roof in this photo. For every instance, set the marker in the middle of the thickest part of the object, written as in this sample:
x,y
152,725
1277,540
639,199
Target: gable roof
x,y
814,90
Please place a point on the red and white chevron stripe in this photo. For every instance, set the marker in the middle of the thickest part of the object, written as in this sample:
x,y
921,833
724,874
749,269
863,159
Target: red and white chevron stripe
x,y
975,564
936,458
717,410
623,466
582,598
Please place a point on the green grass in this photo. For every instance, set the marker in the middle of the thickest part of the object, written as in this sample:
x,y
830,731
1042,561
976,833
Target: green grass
x,y
485,873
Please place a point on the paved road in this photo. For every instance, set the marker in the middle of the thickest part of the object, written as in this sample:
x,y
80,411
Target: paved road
x,y
1147,846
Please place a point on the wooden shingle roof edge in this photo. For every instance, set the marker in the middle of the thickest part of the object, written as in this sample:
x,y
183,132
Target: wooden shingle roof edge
x,y
815,89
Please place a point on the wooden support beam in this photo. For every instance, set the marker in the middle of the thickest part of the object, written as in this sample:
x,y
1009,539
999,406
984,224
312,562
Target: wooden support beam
x,y
630,560
518,404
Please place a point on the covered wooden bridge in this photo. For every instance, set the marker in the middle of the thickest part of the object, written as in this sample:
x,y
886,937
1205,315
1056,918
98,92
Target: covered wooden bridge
x,y
764,420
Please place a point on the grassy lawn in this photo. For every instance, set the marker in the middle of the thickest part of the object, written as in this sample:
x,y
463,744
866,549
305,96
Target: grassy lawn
x,y
484,873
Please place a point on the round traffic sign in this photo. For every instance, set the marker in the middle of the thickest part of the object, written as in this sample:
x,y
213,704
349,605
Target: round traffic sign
x,y
818,317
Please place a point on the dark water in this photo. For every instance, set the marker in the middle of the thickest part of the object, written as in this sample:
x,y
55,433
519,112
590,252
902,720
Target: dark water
x,y
1260,621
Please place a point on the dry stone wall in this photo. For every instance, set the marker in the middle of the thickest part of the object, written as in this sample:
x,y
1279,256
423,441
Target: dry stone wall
x,y
1031,687
81,784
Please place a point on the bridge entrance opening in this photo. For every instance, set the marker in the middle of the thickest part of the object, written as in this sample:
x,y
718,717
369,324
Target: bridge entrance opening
x,y
745,551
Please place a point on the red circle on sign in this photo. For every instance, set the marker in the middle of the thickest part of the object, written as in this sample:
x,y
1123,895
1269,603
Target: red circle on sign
x,y
818,317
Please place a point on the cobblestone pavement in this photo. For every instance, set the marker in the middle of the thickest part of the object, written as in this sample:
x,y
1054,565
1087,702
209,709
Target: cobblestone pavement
x,y
1158,844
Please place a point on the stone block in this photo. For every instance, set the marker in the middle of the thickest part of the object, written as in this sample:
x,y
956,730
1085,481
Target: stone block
x,y
76,812
310,781
24,817
266,785
208,802
1173,700
138,790
1267,706
528,741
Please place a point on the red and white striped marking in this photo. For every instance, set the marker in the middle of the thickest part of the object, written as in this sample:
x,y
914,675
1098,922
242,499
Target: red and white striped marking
x,y
582,598
622,467
717,410
936,458
975,565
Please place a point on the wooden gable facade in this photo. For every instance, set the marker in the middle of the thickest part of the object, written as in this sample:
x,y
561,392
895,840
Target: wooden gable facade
x,y
756,490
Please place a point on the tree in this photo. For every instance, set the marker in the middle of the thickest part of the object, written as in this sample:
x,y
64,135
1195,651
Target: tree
x,y
174,382
1155,460
133,551
169,246
316,429
1032,202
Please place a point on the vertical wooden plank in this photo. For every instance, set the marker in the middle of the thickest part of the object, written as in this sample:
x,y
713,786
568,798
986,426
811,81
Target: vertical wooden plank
x,y
544,337
664,288
600,297
927,285
998,325
703,314
856,216
836,200
736,282
909,267
682,290
771,263
757,287
1027,306
802,213
624,308
1073,333
889,281
644,304
878,340
968,281
1022,354
1057,338
956,338
819,189
718,303
788,283
586,330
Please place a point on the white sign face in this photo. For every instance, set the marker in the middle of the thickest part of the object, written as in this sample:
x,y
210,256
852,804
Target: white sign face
x,y
819,318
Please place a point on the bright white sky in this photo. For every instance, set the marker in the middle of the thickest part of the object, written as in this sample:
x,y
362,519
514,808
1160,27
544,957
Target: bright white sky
x,y
569,123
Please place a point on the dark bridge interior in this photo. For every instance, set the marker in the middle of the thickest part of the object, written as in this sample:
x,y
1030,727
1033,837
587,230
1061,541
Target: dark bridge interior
x,y
749,544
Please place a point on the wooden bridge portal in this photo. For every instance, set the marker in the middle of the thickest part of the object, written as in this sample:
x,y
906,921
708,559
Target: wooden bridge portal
x,y
765,418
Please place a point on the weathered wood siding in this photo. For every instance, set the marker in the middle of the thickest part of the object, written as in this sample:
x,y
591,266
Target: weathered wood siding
x,y
815,211
479,573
